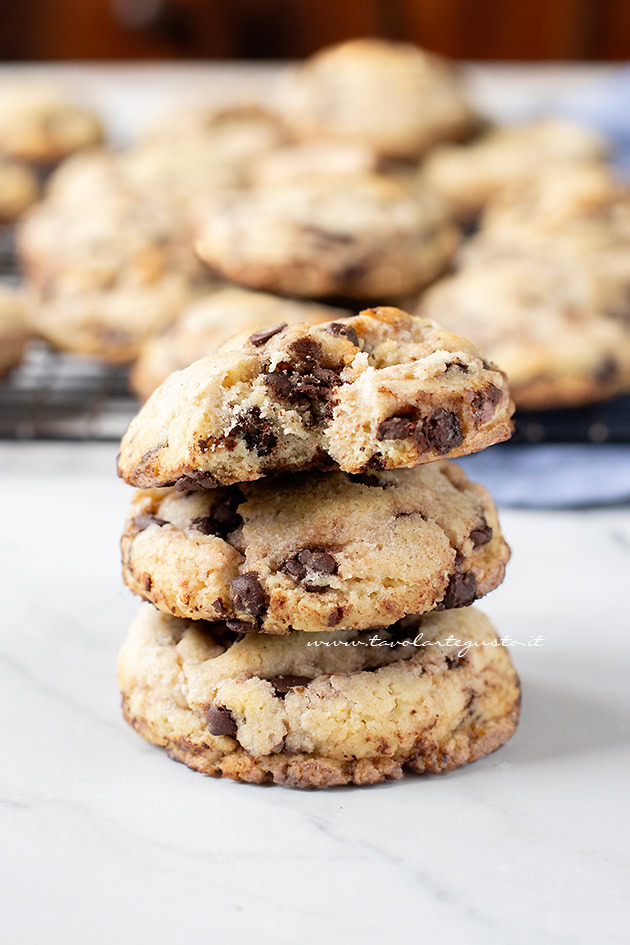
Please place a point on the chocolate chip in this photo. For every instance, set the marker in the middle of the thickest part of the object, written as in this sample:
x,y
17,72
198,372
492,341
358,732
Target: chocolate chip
x,y
440,432
458,365
261,337
241,626
461,590
453,662
335,616
306,348
203,445
484,402
148,582
310,562
249,595
345,331
145,519
310,387
481,536
196,481
607,371
255,431
284,684
395,428
223,517
279,384
220,721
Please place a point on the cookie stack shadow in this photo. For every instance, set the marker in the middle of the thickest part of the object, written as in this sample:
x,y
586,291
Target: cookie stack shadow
x,y
312,558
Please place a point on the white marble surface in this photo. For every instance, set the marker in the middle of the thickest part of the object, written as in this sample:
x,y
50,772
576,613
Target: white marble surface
x,y
104,839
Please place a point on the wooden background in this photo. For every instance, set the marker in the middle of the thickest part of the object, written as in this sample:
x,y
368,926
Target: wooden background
x,y
282,29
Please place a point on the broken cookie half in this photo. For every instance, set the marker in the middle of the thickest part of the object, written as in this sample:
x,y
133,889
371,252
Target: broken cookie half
x,y
384,390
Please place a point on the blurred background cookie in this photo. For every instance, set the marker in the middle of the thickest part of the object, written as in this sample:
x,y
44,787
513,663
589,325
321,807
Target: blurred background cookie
x,y
395,97
355,236
468,175
39,124
558,327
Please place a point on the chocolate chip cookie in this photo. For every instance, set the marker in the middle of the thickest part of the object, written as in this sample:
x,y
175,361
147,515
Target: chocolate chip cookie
x,y
103,282
41,125
395,97
384,390
208,323
584,208
429,695
349,235
14,329
556,322
316,551
469,175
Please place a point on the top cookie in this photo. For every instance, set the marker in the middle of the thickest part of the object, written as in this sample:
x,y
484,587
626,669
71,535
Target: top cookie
x,y
393,96
467,176
384,390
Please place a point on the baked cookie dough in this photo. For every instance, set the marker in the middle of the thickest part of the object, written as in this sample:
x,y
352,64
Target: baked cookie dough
x,y
317,551
14,330
18,189
354,236
384,390
40,125
394,97
209,322
558,327
292,712
467,176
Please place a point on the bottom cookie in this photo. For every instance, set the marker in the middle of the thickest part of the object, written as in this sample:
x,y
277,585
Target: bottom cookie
x,y
317,710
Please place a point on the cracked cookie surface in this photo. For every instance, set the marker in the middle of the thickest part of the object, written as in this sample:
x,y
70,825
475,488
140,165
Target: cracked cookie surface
x,y
316,552
383,390
300,712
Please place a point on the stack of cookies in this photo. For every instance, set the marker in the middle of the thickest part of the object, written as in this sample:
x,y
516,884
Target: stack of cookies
x,y
312,559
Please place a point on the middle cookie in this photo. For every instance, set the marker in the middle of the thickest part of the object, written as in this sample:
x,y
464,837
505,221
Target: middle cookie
x,y
316,552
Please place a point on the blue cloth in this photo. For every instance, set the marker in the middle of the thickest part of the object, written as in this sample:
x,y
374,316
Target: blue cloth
x,y
553,476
